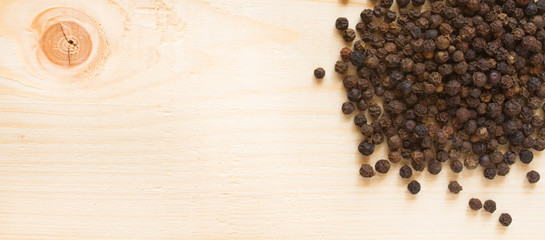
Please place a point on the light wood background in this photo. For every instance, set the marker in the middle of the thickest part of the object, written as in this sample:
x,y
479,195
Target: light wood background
x,y
206,123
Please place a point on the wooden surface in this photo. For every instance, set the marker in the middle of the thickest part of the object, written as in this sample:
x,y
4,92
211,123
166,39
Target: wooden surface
x,y
205,122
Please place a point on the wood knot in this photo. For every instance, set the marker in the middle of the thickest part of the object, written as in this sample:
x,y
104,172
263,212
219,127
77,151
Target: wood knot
x,y
66,44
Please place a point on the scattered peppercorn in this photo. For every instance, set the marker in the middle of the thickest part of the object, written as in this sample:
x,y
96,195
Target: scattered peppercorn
x,y
405,171
454,187
475,204
490,206
505,219
319,73
533,176
341,23
414,187
382,166
367,171
347,108
490,173
526,156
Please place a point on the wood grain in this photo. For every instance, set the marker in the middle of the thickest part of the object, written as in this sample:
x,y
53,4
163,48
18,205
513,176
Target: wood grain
x,y
205,122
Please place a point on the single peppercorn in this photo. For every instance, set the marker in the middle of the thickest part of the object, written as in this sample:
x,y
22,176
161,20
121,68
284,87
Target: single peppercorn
x,y
347,108
341,23
532,176
526,156
367,171
405,171
394,157
490,173
489,206
319,73
414,187
403,3
435,167
382,166
454,187
341,67
456,166
366,148
475,204
502,169
505,219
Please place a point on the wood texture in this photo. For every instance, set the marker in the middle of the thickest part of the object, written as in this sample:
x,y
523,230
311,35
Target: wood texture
x,y
204,122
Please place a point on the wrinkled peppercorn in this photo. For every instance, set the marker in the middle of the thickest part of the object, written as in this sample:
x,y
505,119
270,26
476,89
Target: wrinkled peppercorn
x,y
414,187
489,206
382,166
454,187
490,173
456,166
475,204
505,219
435,167
405,171
367,171
347,108
503,169
341,23
319,73
532,176
526,156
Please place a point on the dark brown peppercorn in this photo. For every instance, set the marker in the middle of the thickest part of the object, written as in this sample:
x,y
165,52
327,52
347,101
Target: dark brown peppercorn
x,y
505,219
341,23
490,206
475,204
367,171
490,173
319,73
349,35
382,166
345,54
405,171
414,187
502,169
394,157
456,166
526,156
374,110
402,3
341,67
454,187
366,148
435,167
354,95
360,119
347,108
532,176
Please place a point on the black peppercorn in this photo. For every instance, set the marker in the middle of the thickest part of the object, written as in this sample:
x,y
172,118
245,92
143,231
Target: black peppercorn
x,y
502,169
347,108
341,67
505,219
490,206
526,156
349,35
366,148
367,171
456,166
382,166
341,23
402,3
490,173
414,187
454,187
435,167
319,73
475,204
532,176
405,171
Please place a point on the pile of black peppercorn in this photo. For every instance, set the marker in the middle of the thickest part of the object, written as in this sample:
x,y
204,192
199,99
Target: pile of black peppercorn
x,y
457,83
